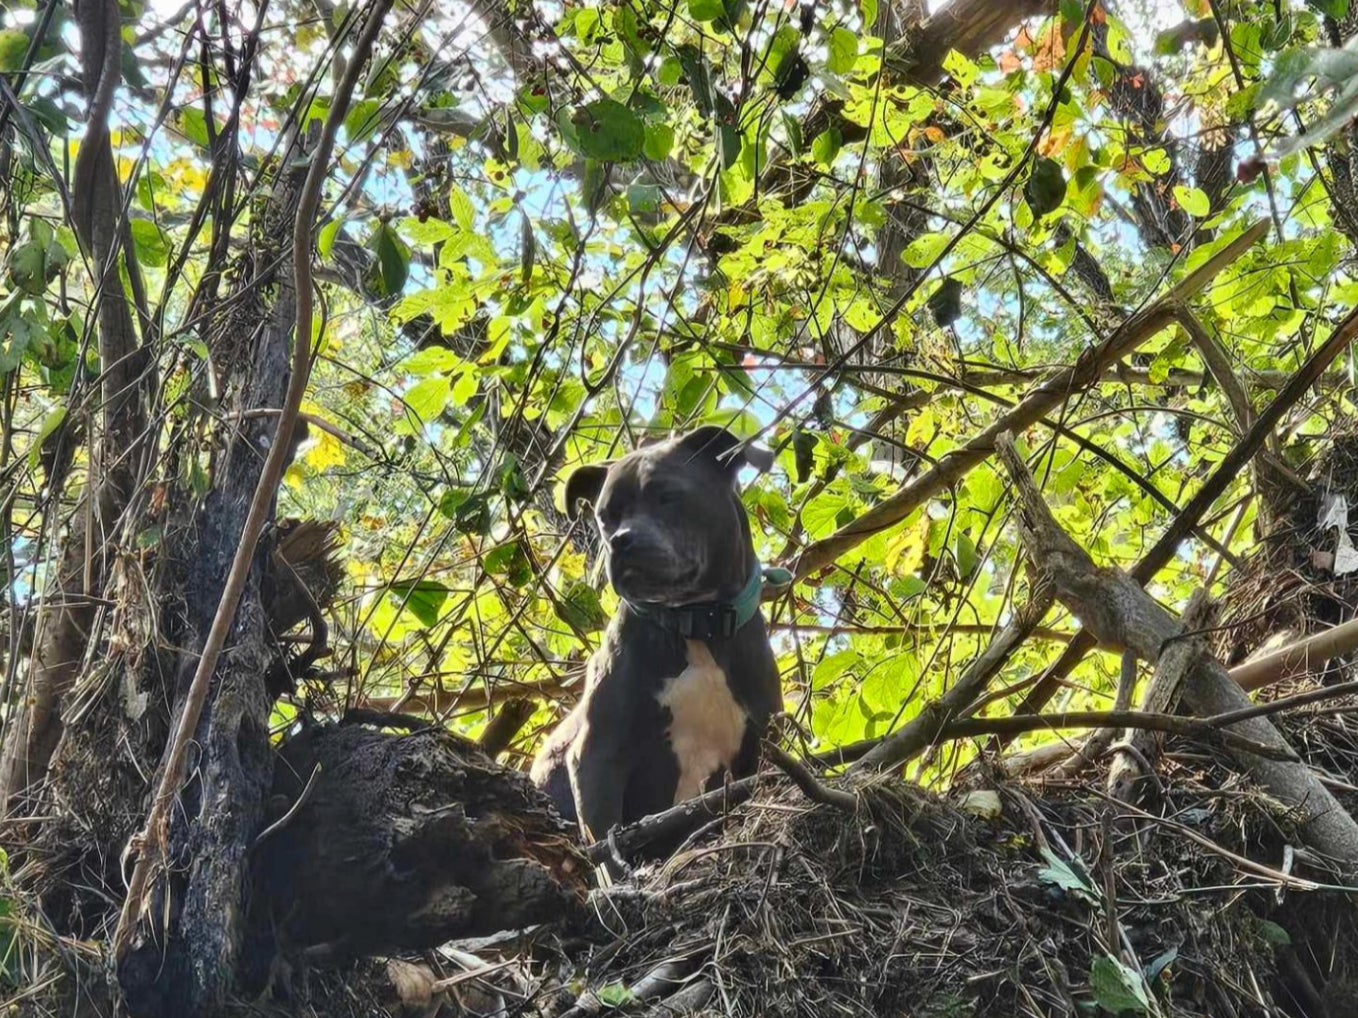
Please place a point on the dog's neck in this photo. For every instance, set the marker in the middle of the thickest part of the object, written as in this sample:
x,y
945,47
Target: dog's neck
x,y
721,618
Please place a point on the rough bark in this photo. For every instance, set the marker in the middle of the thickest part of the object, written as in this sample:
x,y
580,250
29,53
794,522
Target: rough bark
x,y
406,842
187,960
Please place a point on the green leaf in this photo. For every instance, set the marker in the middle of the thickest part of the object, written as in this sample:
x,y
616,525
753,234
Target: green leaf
x,y
827,146
609,131
820,517
325,239
469,511
1119,42
1158,964
528,247
925,250
464,388
1046,187
46,430
50,115
659,142
699,74
18,331
1193,200
423,598
429,398
153,247
1117,988
1336,9
1063,875
579,607
13,50
131,67
388,276
464,212
644,199
363,119
28,267
1274,934
706,10
729,143
509,561
430,360
193,123
616,995
965,551
843,51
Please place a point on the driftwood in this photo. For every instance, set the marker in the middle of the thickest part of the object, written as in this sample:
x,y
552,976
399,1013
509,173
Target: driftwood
x,y
1122,616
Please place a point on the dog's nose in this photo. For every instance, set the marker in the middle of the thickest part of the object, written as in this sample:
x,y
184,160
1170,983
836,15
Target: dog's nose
x,y
623,540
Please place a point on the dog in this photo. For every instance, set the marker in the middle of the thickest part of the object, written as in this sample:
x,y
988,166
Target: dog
x,y
684,682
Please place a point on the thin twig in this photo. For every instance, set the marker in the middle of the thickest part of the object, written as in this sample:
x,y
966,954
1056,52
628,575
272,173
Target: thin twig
x,y
813,789
293,810
1172,724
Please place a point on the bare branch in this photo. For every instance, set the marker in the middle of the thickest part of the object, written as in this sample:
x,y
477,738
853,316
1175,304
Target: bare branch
x,y
1121,615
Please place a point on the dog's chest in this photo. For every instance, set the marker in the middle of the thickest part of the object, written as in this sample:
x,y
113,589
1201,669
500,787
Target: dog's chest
x,y
707,726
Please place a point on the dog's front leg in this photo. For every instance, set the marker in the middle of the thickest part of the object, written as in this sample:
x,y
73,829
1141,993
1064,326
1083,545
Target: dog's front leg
x,y
598,773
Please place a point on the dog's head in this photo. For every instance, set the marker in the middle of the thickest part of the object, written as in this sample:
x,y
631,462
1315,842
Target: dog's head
x,y
670,514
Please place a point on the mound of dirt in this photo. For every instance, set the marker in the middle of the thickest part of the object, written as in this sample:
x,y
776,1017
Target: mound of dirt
x,y
1001,901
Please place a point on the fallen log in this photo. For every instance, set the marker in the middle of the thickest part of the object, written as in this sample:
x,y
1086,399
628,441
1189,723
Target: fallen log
x,y
385,842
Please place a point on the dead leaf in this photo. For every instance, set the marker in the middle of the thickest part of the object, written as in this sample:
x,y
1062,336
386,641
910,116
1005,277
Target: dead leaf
x,y
414,984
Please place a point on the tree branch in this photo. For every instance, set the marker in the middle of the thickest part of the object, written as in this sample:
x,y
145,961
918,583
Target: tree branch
x,y
1121,615
97,216
1050,394
1225,474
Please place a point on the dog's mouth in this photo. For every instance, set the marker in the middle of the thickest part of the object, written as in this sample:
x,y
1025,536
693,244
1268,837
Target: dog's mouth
x,y
645,583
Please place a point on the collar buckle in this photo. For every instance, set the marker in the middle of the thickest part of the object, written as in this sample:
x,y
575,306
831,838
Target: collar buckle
x,y
708,621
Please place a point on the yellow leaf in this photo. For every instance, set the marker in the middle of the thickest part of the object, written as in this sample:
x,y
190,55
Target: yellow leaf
x,y
905,552
922,429
328,451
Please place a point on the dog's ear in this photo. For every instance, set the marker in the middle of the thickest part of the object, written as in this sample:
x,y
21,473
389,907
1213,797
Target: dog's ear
x,y
583,486
726,449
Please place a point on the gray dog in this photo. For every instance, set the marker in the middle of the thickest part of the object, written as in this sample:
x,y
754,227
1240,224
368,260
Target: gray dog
x,y
679,692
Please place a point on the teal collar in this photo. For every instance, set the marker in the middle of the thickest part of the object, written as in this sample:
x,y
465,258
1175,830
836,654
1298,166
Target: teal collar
x,y
714,620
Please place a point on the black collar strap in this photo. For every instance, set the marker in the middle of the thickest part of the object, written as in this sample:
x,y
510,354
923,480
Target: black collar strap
x,y
707,620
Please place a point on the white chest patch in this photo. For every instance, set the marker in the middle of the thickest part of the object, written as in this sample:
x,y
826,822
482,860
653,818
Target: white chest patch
x,y
707,725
